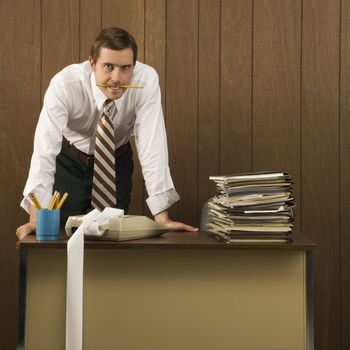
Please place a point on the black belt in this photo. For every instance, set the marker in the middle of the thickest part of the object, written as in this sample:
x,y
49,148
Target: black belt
x,y
88,159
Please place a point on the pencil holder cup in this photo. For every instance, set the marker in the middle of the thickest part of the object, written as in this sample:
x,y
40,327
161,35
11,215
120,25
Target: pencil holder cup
x,y
47,224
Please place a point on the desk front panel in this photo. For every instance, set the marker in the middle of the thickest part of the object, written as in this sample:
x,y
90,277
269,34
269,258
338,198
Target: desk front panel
x,y
171,299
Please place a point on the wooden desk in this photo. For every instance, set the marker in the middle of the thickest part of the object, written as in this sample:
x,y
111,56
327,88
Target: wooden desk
x,y
181,291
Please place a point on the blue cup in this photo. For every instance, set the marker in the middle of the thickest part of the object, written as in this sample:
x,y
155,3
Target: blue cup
x,y
47,224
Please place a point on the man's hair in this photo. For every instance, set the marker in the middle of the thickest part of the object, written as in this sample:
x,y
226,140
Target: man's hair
x,y
115,39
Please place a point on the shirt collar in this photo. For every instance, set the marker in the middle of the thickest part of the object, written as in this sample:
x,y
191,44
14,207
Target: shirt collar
x,y
100,97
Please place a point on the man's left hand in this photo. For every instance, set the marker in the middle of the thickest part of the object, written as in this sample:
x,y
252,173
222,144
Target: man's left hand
x,y
163,218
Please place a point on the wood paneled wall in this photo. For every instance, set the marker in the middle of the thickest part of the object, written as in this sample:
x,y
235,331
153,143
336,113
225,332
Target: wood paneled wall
x,y
247,85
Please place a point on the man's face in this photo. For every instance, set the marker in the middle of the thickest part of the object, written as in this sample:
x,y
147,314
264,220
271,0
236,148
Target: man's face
x,y
113,68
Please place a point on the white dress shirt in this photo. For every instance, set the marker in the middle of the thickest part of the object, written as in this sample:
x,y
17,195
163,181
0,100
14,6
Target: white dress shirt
x,y
72,107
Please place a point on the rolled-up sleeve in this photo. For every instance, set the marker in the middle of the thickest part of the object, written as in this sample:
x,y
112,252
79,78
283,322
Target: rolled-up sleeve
x,y
47,145
152,149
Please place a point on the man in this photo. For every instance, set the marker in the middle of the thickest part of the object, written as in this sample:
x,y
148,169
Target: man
x,y
64,143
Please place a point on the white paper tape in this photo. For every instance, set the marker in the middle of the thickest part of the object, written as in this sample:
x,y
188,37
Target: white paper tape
x,y
75,270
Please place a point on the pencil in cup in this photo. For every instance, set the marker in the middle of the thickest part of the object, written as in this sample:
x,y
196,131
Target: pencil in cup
x,y
35,200
53,201
60,203
57,199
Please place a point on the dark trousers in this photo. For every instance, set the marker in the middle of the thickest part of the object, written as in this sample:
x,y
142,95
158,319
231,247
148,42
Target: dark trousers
x,y
75,177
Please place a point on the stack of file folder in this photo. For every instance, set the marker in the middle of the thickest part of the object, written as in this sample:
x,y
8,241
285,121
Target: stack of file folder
x,y
252,207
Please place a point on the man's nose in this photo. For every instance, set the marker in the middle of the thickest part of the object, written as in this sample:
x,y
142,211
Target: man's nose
x,y
116,74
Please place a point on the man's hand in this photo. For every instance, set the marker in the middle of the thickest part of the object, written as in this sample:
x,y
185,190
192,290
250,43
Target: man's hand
x,y
25,230
163,218
29,227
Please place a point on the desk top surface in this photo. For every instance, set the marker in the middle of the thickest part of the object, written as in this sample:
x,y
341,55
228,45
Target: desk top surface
x,y
174,240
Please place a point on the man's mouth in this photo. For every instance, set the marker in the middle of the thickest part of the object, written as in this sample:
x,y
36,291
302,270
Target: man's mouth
x,y
112,87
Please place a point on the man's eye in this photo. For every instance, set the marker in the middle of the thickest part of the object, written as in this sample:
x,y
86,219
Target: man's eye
x,y
108,67
126,68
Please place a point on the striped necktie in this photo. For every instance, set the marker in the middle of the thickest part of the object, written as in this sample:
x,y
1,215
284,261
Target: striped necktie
x,y
103,186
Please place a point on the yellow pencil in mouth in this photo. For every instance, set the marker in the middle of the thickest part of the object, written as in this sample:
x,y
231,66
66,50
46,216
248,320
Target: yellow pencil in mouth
x,y
131,87
121,86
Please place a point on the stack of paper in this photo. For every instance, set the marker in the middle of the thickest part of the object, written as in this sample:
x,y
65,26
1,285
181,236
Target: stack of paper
x,y
252,207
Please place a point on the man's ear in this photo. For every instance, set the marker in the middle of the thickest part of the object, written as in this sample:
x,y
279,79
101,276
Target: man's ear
x,y
92,63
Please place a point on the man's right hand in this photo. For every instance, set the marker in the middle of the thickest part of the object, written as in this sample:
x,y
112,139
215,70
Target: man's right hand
x,y
25,230
29,227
